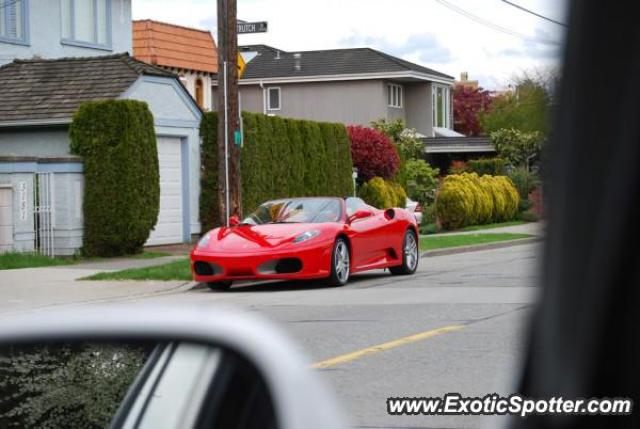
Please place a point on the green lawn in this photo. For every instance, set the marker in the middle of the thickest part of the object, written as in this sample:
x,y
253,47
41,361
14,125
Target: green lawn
x,y
443,241
10,261
176,270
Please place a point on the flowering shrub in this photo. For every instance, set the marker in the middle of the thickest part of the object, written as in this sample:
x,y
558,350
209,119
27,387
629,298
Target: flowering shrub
x,y
373,153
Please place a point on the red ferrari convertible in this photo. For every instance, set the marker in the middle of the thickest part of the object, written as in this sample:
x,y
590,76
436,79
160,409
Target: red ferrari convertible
x,y
308,238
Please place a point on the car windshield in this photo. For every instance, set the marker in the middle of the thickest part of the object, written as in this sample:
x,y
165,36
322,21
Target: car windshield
x,y
297,210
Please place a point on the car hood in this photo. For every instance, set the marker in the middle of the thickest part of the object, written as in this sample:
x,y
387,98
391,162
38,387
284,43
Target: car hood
x,y
259,238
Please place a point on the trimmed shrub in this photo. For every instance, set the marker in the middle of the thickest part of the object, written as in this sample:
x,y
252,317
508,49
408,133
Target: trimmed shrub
x,y
373,154
467,199
383,194
491,166
524,181
117,142
209,213
280,158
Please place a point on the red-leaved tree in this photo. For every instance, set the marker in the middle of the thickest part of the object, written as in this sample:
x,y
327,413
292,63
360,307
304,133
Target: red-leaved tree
x,y
467,105
372,153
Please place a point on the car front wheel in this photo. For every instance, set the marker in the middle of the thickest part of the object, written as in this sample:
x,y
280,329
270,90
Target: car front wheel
x,y
410,255
340,263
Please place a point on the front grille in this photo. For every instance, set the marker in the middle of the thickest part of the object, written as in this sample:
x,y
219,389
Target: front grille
x,y
288,265
206,269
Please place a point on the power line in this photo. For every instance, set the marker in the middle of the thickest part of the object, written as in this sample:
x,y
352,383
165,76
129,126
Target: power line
x,y
494,26
534,13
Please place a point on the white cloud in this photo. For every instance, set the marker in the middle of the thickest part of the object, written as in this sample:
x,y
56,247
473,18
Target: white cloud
x,y
423,31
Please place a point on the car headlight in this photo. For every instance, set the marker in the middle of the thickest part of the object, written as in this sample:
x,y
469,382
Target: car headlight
x,y
204,241
306,236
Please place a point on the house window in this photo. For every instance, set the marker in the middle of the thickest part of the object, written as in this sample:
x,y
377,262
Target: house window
x,y
13,21
200,93
394,95
441,104
273,98
86,23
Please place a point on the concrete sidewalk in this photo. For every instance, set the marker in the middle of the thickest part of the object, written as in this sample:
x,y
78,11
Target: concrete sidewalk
x,y
533,228
45,287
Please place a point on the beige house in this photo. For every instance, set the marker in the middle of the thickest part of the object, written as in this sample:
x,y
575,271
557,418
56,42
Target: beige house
x,y
352,86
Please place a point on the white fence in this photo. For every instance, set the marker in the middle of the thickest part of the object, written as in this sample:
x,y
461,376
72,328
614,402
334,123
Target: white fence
x,y
43,213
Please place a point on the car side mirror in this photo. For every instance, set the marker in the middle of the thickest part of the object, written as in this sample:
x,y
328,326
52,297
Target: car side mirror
x,y
234,220
155,367
359,214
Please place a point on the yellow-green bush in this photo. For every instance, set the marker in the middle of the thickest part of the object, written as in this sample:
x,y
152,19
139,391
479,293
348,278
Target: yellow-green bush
x,y
466,199
383,194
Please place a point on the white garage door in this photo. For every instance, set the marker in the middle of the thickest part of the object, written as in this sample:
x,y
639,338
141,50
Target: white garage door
x,y
6,219
168,230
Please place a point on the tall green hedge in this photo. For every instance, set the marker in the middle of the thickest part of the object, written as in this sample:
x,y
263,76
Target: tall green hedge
x,y
117,142
281,157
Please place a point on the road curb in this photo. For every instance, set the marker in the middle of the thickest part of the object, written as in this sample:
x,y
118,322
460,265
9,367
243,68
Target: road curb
x,y
476,247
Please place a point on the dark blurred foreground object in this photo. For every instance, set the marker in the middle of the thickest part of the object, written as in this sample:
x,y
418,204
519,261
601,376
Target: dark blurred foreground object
x,y
584,341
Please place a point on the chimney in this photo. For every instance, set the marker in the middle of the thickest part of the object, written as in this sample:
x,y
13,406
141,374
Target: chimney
x,y
277,55
297,62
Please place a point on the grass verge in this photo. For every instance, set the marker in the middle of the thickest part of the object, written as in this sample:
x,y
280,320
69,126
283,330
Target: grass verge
x,y
444,241
176,270
14,260
492,225
180,270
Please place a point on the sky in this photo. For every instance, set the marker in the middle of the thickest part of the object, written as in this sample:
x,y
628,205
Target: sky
x,y
426,32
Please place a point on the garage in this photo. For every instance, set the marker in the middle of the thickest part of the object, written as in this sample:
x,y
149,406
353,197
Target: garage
x,y
6,218
169,228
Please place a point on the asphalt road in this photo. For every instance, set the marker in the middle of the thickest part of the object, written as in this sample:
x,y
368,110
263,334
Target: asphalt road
x,y
489,294
486,296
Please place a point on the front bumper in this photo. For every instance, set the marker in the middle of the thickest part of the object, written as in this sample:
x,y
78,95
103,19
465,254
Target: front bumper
x,y
314,263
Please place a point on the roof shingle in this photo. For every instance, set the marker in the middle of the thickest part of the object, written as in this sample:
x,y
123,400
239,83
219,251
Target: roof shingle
x,y
271,62
171,45
39,89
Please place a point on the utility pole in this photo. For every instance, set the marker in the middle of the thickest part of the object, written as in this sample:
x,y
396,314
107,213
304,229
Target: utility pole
x,y
229,181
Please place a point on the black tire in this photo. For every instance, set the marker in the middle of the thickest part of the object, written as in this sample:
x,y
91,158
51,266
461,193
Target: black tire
x,y
339,272
410,255
223,285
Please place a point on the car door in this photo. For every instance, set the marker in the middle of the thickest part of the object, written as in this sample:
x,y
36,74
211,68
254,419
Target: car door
x,y
366,235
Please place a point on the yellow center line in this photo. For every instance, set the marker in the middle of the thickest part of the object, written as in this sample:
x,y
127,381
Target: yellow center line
x,y
348,357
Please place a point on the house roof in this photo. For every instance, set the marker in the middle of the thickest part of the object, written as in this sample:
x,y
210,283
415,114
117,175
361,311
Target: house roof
x,y
271,62
52,90
175,46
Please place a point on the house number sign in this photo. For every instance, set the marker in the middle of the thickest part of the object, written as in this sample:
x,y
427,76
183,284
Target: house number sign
x,y
22,200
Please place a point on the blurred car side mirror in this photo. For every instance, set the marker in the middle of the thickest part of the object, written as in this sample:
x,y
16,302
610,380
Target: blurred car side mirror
x,y
154,367
359,214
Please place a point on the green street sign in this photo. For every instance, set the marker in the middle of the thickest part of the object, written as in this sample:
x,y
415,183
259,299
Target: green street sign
x,y
237,138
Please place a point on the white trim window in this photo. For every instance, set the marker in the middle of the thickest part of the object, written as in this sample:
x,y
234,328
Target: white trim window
x,y
86,23
273,98
13,21
394,95
441,105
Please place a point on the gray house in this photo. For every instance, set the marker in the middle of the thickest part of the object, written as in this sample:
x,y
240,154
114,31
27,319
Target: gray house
x,y
41,182
352,86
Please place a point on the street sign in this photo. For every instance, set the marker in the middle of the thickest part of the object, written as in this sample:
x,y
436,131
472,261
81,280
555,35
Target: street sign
x,y
252,27
241,65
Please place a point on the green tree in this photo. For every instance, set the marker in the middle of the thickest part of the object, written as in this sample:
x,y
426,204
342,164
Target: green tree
x,y
519,148
526,109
